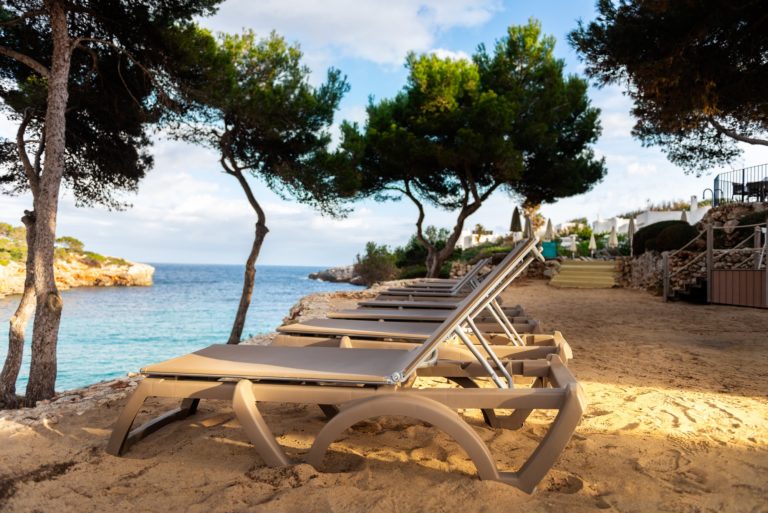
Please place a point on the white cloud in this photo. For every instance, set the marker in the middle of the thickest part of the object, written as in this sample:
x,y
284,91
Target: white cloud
x,y
449,54
616,124
638,169
381,31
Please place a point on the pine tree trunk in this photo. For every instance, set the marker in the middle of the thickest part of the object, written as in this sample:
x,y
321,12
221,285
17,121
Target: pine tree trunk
x,y
18,323
248,283
42,372
433,263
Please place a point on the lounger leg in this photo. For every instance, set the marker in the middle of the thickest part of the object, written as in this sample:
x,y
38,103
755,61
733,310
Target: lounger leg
x,y
244,404
403,404
122,436
519,416
546,454
330,410
122,426
488,414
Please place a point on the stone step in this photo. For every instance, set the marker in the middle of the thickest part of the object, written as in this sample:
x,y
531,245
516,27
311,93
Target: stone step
x,y
582,270
607,283
586,263
563,284
603,280
569,272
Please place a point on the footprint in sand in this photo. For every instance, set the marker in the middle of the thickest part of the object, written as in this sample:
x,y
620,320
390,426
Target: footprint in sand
x,y
666,461
563,482
675,418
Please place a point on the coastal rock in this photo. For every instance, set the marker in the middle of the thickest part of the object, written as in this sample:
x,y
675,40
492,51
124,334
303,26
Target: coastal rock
x,y
81,273
338,274
76,401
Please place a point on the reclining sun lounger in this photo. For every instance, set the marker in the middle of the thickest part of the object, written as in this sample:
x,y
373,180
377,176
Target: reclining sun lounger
x,y
500,277
365,383
433,305
417,314
452,286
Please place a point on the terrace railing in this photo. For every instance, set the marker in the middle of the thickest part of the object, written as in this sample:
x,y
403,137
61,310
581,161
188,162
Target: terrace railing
x,y
735,276
743,185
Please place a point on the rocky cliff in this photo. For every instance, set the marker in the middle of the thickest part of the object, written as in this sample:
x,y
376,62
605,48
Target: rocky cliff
x,y
338,274
81,272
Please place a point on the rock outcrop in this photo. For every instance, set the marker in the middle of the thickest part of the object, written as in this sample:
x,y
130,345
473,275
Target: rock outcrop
x,y
77,272
338,274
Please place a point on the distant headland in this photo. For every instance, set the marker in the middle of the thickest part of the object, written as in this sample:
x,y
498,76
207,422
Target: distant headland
x,y
74,266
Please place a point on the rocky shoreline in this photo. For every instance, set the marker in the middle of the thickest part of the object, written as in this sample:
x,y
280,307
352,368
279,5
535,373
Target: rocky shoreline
x,y
343,274
80,273
79,400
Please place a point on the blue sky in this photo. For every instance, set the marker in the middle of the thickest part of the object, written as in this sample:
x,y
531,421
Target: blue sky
x,y
188,211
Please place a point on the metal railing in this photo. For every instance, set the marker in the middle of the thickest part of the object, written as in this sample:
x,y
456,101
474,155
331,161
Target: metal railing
x,y
747,185
756,258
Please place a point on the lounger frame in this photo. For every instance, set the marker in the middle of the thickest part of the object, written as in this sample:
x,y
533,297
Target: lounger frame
x,y
362,393
435,406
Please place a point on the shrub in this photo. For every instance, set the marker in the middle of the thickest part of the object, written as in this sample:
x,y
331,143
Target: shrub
x,y
643,239
378,264
673,237
753,218
70,243
413,271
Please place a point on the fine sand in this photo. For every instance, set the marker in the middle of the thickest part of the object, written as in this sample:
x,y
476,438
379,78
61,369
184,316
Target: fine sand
x,y
678,402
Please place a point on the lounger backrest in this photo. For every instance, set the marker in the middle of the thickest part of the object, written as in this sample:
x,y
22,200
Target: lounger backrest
x,y
513,264
471,274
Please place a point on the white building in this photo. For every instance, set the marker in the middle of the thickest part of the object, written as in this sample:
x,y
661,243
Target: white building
x,y
467,239
694,215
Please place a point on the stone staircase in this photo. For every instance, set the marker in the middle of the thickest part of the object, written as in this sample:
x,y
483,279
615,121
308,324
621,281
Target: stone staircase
x,y
585,274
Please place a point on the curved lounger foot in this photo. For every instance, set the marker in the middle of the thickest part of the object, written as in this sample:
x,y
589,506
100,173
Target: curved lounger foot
x,y
421,408
122,435
246,411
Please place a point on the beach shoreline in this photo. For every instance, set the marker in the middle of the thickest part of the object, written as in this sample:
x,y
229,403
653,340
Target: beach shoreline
x,y
677,397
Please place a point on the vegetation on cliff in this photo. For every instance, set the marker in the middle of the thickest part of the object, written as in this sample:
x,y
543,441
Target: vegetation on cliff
x,y
13,248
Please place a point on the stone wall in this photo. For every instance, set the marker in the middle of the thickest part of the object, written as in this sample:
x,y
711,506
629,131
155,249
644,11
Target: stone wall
x,y
646,272
536,270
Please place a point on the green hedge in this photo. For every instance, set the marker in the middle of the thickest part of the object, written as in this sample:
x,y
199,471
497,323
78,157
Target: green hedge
x,y
644,239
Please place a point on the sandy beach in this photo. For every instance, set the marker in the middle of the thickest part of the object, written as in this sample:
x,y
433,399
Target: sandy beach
x,y
678,402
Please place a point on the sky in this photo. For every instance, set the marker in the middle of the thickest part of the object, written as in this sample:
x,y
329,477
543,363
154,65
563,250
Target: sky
x,y
188,211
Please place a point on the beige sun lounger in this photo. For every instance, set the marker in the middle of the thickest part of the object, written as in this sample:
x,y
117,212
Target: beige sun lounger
x,y
397,330
417,314
365,383
511,311
501,276
453,286
536,347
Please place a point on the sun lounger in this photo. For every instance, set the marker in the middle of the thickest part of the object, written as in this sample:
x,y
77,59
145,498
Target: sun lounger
x,y
397,330
536,347
501,276
417,314
453,286
513,311
365,383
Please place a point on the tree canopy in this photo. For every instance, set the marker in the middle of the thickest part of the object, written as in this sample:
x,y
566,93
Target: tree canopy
x,y
695,69
460,130
82,77
117,88
250,99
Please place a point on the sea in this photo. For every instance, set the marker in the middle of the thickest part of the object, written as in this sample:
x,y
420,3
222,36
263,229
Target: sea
x,y
107,332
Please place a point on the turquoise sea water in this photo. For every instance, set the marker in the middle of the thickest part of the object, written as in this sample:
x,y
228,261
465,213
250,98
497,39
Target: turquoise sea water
x,y
107,332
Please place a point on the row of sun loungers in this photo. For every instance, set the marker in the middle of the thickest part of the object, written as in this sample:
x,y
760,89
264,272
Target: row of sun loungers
x,y
362,363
